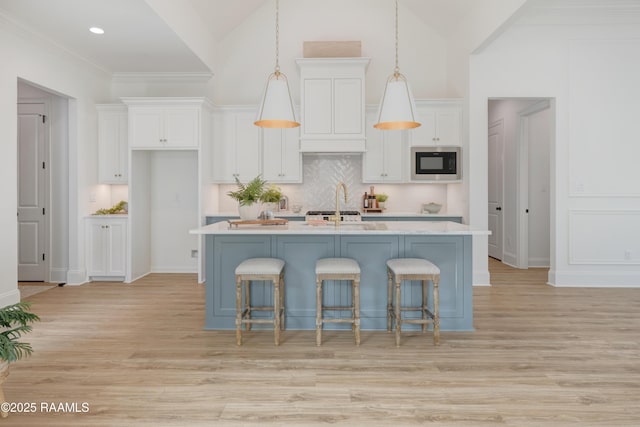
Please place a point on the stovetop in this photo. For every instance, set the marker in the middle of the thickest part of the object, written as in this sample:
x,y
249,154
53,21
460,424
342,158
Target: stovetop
x,y
332,213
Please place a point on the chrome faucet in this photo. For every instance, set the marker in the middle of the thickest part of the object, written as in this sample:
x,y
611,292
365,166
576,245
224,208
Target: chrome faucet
x,y
336,217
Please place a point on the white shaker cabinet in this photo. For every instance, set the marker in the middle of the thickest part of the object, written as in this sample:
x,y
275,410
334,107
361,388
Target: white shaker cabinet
x,y
332,95
106,249
384,160
112,144
165,123
236,145
441,123
281,160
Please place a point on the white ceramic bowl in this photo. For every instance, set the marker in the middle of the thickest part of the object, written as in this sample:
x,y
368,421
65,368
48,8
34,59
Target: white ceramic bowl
x,y
432,208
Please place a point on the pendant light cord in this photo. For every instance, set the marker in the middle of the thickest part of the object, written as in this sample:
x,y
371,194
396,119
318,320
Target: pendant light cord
x,y
277,38
396,71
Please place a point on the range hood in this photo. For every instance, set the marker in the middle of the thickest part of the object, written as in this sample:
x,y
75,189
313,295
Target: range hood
x,y
332,95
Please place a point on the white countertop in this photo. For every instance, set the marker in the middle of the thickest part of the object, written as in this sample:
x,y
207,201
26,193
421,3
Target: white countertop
x,y
367,214
358,228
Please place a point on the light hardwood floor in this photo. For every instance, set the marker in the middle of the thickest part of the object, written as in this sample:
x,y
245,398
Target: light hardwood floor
x,y
137,354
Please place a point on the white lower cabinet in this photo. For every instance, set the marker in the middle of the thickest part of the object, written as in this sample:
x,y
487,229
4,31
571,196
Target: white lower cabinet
x,y
106,247
282,160
386,154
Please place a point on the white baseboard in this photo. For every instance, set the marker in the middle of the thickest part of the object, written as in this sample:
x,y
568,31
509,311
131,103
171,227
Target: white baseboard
x,y
174,270
76,277
539,262
10,297
481,278
58,275
595,279
133,279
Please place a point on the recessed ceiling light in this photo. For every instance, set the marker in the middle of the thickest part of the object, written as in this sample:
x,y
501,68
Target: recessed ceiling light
x,y
96,30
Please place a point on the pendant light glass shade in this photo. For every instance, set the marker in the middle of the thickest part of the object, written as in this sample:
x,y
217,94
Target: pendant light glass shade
x,y
276,108
397,108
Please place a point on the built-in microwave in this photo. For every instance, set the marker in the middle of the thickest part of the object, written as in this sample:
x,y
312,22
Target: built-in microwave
x,y
436,164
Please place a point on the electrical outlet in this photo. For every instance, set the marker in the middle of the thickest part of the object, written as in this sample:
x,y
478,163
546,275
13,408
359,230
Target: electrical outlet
x,y
194,253
92,197
627,255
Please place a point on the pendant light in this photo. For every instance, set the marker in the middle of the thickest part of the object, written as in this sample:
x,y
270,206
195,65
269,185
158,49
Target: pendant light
x,y
276,108
397,108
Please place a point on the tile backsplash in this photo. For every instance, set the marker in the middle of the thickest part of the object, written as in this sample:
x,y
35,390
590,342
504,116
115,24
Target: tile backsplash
x,y
322,172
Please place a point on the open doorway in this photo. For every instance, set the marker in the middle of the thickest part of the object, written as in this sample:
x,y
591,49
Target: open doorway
x,y
43,184
520,132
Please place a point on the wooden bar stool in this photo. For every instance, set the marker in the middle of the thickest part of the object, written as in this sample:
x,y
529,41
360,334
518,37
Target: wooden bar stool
x,y
267,269
338,269
400,269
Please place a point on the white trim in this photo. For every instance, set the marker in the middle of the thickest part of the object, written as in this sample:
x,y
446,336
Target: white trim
x,y
76,277
161,77
9,298
58,275
188,270
481,278
595,279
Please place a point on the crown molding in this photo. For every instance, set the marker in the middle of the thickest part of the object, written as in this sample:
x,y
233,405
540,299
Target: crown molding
x,y
162,77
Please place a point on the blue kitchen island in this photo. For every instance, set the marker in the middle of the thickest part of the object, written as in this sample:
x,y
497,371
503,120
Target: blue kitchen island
x,y
300,245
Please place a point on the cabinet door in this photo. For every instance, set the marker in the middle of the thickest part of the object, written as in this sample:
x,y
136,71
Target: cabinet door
x,y
109,136
425,134
373,160
291,157
181,127
146,127
272,146
224,158
448,127
117,244
96,249
248,156
394,153
347,114
281,160
318,111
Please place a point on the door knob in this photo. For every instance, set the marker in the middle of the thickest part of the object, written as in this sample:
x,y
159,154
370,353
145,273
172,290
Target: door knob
x,y
498,208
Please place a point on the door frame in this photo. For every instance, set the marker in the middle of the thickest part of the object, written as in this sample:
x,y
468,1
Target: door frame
x,y
500,122
47,177
522,202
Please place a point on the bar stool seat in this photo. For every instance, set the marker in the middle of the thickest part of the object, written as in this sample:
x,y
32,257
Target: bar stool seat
x,y
338,269
401,269
253,269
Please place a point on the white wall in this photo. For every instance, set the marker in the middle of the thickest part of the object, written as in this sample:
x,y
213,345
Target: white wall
x,y
36,60
591,71
246,56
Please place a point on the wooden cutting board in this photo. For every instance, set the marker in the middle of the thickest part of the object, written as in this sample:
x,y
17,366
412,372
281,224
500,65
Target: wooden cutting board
x,y
275,221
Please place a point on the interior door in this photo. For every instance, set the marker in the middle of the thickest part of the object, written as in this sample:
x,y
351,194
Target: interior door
x,y
495,190
32,193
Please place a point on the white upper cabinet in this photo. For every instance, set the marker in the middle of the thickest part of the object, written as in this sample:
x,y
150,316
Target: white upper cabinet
x,y
441,123
332,94
165,123
386,154
281,160
236,145
112,144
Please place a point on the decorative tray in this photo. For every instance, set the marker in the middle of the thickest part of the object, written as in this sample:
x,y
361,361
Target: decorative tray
x,y
275,221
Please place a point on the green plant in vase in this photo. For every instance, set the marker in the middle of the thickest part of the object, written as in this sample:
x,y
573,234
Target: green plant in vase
x,y
381,198
249,197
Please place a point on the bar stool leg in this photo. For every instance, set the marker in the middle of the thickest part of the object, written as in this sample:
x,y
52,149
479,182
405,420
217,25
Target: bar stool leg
x,y
247,303
282,307
356,302
397,312
425,302
389,300
238,311
276,310
436,311
318,312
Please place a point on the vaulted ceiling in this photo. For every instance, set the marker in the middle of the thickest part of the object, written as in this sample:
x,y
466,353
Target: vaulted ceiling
x,y
149,35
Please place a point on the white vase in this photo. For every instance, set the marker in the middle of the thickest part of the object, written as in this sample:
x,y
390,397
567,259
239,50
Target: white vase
x,y
249,212
382,205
